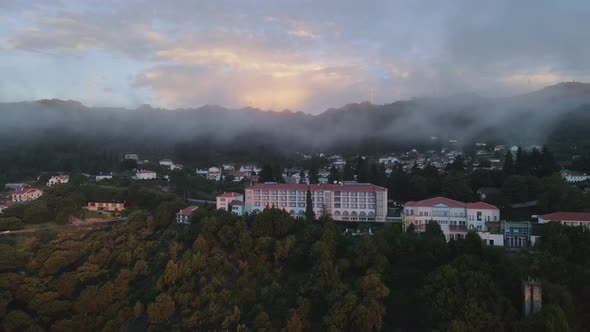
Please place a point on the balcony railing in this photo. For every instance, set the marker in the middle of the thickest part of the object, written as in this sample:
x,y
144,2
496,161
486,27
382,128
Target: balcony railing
x,y
457,228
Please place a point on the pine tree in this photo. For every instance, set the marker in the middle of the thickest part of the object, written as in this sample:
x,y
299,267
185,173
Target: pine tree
x,y
266,174
548,163
313,175
508,167
334,175
309,214
348,174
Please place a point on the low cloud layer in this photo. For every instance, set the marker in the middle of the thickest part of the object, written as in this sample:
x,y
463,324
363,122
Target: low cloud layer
x,y
295,55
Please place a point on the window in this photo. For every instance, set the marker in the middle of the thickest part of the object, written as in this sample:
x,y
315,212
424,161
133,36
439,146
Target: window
x,y
478,215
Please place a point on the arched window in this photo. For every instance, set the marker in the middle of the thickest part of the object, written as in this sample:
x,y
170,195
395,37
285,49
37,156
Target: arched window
x,y
337,213
292,212
301,212
362,214
353,214
371,214
345,213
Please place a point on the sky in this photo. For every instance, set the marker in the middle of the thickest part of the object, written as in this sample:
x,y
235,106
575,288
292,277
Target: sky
x,y
279,54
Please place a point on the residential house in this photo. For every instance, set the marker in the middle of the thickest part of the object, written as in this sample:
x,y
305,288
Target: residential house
x,y
176,166
225,200
247,168
183,216
131,156
214,173
166,162
239,176
4,206
229,167
58,179
573,177
145,175
101,176
26,194
105,206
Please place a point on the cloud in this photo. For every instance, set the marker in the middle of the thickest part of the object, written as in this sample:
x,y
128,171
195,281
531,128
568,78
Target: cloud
x,y
313,55
188,85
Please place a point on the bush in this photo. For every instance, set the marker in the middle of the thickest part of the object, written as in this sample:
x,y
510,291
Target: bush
x,y
11,224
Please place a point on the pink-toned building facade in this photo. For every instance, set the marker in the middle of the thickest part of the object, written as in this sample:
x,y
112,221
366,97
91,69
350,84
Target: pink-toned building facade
x,y
454,217
567,218
105,206
348,201
225,200
26,194
183,216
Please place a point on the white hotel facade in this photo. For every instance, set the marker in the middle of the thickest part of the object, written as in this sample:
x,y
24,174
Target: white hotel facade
x,y
454,217
348,201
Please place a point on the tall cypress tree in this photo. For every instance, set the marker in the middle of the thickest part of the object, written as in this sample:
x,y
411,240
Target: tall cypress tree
x,y
508,167
309,214
334,175
348,174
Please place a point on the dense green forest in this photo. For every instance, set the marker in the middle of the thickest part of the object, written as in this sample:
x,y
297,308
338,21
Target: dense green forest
x,y
270,272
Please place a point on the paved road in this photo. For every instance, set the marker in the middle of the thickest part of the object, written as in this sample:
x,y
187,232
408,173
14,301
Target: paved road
x,y
77,223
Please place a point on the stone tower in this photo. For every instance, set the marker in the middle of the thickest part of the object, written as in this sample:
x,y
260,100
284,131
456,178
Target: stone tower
x,y
532,296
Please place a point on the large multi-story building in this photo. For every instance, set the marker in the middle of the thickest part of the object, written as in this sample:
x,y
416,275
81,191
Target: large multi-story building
x,y
455,218
347,201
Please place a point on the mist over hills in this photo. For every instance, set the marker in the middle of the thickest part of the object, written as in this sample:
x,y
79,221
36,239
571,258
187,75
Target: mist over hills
x,y
524,118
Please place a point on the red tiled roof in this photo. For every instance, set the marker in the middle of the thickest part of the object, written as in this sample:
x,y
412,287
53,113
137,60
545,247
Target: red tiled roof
x,y
187,211
481,206
237,203
566,216
23,191
450,203
165,161
436,201
313,187
238,173
229,195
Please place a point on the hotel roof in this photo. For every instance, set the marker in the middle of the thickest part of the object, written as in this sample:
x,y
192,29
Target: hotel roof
x,y
431,202
314,187
230,195
566,216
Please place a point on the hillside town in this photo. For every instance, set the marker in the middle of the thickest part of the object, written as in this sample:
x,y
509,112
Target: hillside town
x,y
323,190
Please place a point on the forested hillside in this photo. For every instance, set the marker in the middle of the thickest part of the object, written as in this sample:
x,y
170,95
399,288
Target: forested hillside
x,y
272,273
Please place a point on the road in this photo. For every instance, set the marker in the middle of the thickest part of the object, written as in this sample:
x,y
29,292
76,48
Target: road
x,y
77,223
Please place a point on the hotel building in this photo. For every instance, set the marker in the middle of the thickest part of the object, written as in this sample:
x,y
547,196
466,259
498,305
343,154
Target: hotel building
x,y
347,201
455,218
